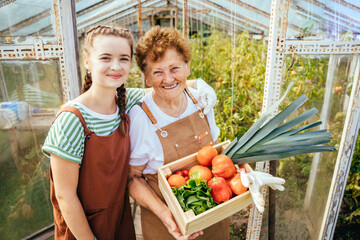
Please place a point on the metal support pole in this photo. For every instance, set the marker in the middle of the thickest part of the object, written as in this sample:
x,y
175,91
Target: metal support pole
x,y
273,76
139,20
66,32
272,204
176,14
4,91
185,17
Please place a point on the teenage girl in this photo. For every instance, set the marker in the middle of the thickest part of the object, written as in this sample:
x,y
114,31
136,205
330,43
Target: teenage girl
x,y
92,132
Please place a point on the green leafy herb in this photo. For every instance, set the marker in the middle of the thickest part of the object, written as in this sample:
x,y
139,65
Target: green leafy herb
x,y
195,195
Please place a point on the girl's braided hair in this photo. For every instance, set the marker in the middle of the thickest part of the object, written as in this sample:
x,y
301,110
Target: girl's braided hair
x,y
102,30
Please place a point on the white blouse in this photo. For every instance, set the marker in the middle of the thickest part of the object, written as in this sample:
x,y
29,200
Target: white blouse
x,y
146,147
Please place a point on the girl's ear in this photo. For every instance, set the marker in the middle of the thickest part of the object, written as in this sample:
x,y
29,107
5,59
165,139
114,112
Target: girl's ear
x,y
86,62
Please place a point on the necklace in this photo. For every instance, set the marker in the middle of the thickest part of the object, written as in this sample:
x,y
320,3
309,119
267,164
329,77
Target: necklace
x,y
175,114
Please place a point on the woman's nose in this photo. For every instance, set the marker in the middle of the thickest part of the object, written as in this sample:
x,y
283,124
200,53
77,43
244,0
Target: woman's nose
x,y
169,77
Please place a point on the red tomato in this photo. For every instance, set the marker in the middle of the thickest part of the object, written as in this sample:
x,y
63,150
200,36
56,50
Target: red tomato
x,y
178,172
220,191
205,173
222,166
176,180
185,172
205,155
236,185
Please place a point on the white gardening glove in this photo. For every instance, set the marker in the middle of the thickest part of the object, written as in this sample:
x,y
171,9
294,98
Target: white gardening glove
x,y
255,180
207,95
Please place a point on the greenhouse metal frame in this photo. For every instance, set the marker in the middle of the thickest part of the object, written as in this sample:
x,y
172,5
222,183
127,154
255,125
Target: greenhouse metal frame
x,y
273,21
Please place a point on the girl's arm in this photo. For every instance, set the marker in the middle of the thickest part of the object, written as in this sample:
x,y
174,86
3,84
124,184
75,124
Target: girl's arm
x,y
66,176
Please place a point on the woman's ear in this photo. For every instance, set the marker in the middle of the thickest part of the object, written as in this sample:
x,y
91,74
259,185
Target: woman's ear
x,y
188,69
147,80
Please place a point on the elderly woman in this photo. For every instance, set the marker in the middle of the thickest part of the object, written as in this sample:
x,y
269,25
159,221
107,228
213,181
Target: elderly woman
x,y
167,125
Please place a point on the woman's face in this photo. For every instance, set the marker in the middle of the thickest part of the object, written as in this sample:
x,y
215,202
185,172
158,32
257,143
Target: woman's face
x,y
109,61
168,75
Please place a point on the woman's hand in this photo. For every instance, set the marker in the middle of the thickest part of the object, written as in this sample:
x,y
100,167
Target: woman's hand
x,y
207,95
169,222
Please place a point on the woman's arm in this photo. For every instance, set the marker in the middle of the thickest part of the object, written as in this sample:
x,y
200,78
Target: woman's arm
x,y
138,187
66,176
142,193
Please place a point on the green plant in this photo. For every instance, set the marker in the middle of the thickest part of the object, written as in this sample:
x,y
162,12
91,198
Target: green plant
x,y
235,68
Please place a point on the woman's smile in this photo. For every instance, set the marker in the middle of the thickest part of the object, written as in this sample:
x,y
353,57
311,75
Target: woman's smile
x,y
171,86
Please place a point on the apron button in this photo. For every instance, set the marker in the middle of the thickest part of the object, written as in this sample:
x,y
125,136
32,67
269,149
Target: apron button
x,y
196,137
176,145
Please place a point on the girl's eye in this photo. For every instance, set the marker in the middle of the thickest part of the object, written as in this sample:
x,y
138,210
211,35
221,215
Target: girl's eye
x,y
105,58
124,59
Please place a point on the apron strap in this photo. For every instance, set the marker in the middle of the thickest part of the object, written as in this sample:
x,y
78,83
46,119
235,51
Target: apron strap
x,y
201,114
190,95
147,111
151,116
75,111
153,119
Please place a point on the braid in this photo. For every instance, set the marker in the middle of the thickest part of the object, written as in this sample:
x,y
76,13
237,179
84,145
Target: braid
x,y
87,82
121,102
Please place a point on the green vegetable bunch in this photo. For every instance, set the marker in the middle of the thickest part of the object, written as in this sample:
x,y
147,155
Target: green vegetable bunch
x,y
274,140
195,195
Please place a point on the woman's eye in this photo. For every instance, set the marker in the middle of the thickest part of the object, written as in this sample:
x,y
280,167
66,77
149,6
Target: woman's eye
x,y
175,68
157,73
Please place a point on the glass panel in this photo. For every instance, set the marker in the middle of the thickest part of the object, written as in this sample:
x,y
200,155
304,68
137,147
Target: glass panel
x,y
327,82
26,18
29,101
324,20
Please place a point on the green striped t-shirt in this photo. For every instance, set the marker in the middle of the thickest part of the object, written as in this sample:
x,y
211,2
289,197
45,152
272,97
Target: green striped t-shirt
x,y
66,136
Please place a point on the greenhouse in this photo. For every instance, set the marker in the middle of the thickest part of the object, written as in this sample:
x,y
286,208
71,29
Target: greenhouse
x,y
253,53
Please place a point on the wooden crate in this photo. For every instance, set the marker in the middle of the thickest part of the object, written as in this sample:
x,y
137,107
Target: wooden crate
x,y
187,221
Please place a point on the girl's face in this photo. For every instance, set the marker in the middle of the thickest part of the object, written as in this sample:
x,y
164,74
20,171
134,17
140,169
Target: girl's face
x,y
108,61
168,75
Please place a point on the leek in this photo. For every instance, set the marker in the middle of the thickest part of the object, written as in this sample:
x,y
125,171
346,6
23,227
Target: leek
x,y
268,139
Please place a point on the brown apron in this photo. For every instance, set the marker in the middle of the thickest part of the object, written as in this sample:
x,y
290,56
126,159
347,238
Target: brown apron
x,y
179,139
102,185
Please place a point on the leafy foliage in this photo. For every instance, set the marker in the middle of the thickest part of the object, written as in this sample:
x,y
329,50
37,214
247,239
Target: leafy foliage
x,y
195,195
221,62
